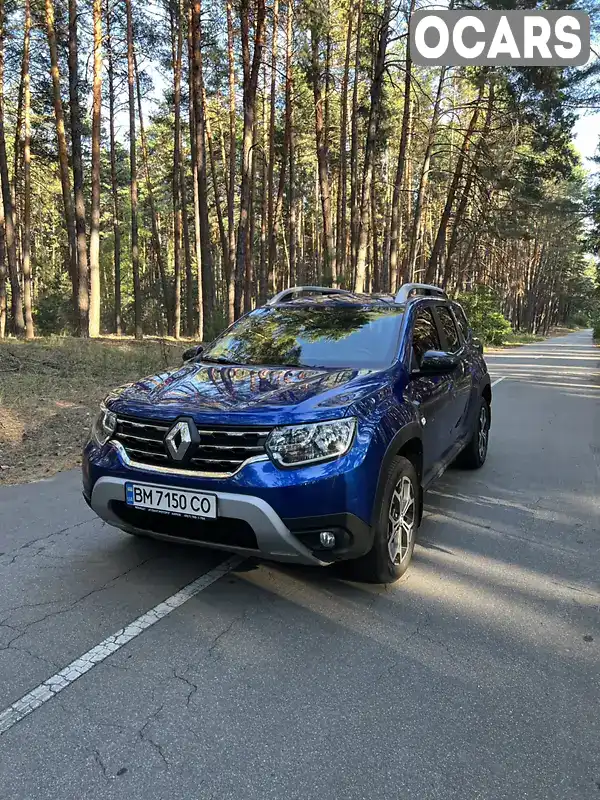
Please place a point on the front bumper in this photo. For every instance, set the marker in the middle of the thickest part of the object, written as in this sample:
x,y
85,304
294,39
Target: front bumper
x,y
272,537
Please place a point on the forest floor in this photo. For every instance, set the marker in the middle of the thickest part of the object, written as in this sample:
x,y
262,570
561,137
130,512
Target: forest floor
x,y
50,390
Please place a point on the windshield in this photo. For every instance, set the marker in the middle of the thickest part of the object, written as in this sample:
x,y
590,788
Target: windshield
x,y
358,337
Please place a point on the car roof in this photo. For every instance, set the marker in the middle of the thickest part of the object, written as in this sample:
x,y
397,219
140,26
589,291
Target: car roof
x,y
354,299
346,299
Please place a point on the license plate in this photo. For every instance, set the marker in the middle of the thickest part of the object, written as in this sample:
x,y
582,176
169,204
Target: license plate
x,y
171,501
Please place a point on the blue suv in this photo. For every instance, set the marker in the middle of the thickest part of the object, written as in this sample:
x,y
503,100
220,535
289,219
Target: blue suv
x,y
306,432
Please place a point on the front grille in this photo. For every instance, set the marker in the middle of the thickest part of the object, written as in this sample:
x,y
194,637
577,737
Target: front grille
x,y
224,530
143,441
222,450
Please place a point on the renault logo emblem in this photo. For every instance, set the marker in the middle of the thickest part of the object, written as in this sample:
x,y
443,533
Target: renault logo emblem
x,y
178,440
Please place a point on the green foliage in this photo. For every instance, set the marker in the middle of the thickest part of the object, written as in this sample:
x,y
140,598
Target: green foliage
x,y
580,319
218,324
482,307
54,312
514,338
596,326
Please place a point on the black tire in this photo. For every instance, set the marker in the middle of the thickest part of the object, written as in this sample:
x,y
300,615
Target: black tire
x,y
377,565
475,453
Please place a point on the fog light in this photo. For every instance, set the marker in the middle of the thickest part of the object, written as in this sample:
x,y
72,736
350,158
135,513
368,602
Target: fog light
x,y
327,539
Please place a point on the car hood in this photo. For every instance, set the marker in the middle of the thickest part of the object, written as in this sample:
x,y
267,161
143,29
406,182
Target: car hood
x,y
245,395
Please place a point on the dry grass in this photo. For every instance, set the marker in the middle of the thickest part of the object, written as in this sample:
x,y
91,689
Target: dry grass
x,y
50,390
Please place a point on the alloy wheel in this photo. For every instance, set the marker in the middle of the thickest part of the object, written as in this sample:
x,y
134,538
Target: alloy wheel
x,y
483,432
401,520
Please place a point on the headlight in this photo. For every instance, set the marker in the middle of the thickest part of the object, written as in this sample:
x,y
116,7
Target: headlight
x,y
295,445
104,426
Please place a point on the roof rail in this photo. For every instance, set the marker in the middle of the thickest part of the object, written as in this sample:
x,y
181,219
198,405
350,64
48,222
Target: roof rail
x,y
409,289
297,291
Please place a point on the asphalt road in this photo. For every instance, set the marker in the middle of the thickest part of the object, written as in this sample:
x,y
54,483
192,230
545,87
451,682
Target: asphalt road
x,y
476,676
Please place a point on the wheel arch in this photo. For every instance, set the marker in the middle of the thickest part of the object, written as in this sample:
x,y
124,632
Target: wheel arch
x,y
486,393
408,443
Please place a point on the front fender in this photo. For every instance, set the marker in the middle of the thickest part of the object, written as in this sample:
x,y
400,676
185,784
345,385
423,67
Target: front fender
x,y
393,423
409,432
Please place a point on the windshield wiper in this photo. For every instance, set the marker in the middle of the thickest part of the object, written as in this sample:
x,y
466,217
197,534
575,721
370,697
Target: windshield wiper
x,y
219,360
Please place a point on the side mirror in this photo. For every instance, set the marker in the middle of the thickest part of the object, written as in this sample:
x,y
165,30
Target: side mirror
x,y
192,352
477,344
436,362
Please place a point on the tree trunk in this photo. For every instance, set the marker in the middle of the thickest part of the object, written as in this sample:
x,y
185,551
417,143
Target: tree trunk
x,y
113,176
2,275
216,184
232,159
177,54
80,303
387,204
156,241
406,207
19,145
9,226
329,268
440,238
372,131
19,136
186,245
27,293
301,262
287,148
424,177
135,256
262,272
289,120
95,212
3,298
316,243
251,71
271,160
354,146
249,273
375,261
198,252
400,168
342,198
208,291
466,192
83,288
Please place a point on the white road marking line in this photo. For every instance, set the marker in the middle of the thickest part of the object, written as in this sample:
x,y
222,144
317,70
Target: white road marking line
x,y
535,381
538,356
498,381
56,683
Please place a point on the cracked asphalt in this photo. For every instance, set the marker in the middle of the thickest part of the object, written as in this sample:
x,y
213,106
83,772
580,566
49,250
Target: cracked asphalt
x,y
476,676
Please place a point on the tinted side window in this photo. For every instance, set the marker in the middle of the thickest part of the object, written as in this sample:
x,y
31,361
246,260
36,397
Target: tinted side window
x,y
462,321
425,334
449,327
